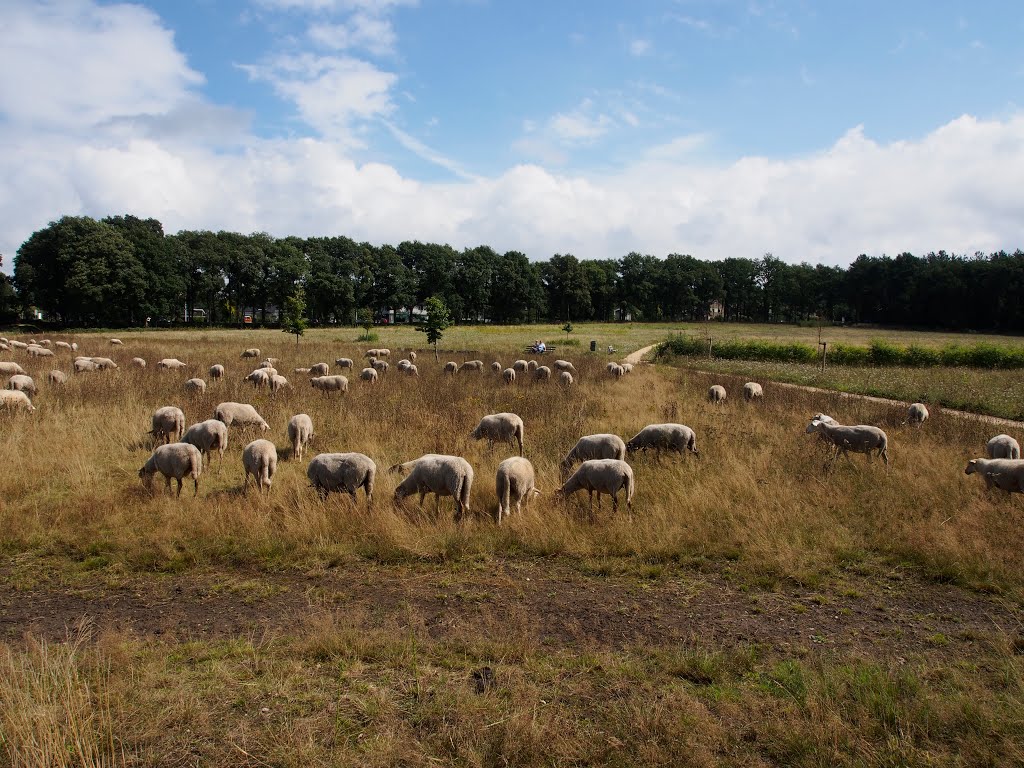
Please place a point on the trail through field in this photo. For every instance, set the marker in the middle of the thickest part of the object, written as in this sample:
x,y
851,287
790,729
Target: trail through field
x,y
891,614
634,358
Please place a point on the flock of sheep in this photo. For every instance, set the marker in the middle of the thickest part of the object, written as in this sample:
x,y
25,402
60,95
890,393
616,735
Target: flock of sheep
x,y
602,457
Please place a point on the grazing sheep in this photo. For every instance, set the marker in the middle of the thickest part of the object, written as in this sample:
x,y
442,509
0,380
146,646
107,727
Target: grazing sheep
x,y
116,342
368,374
412,370
259,458
342,473
412,356
604,476
532,365
277,383
542,373
18,344
217,372
273,361
328,384
105,363
716,394
266,364
171,364
251,353
381,366
503,427
565,365
300,370
84,364
344,362
917,414
195,386
138,362
611,367
240,414
509,375
520,366
496,367
402,364
565,379
62,345
383,352
664,437
514,482
177,460
451,367
168,422
616,370
1002,447
21,383
440,475
46,343
752,391
320,369
626,367
207,436
860,439
372,353
8,369
4,346
472,365
602,446
40,352
300,432
259,378
10,398
58,377
74,346
1005,474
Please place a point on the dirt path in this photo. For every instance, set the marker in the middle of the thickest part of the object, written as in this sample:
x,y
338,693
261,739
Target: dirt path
x,y
637,356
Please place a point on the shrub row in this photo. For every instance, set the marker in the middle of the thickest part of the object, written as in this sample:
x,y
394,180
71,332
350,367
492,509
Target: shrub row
x,y
881,353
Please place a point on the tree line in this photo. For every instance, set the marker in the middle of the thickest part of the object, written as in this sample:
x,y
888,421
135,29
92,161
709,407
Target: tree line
x,y
123,271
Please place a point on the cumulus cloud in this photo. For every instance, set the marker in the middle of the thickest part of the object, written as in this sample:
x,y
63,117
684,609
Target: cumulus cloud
x,y
320,6
372,33
640,47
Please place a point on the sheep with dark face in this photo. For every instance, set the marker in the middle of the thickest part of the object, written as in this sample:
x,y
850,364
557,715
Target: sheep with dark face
x,y
437,474
500,427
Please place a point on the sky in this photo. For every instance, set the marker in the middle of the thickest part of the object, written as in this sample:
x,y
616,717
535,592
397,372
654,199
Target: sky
x,y
815,131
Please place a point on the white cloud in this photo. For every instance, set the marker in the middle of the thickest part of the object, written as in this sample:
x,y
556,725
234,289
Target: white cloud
x,y
640,47
575,127
322,6
371,33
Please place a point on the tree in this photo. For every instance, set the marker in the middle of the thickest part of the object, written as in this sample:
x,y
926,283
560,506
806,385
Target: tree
x,y
438,319
294,315
568,329
366,320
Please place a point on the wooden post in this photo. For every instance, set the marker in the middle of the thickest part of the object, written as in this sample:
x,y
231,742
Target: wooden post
x,y
824,353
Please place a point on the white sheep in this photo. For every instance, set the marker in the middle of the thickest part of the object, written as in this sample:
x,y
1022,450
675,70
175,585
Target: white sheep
x,y
328,384
46,343
603,476
520,366
8,369
752,391
265,364
472,365
1005,474
21,383
451,367
58,377
342,473
259,378
917,414
514,482
603,446
116,342
18,344
104,363
1002,447
531,365
383,352
207,436
372,353
300,432
564,365
664,437
823,417
402,364
509,375
240,414
616,370
496,367
40,352
320,369
138,362
859,439
381,366
217,372
170,364
62,345
500,427
412,356
84,364
565,379
626,367
440,475
195,386
300,370
542,373
716,394
259,458
344,362
10,398
177,460
168,422
277,383
369,375
611,367
251,353
412,370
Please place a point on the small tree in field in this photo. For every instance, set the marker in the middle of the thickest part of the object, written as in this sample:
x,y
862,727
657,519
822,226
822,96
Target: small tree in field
x,y
568,329
438,319
293,318
366,320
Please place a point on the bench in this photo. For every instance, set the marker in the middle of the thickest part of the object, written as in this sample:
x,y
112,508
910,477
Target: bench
x,y
533,350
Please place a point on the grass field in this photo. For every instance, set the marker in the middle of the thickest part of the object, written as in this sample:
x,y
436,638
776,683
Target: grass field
x,y
751,609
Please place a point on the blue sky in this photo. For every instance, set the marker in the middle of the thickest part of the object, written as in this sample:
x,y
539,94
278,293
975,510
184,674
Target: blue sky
x,y
814,130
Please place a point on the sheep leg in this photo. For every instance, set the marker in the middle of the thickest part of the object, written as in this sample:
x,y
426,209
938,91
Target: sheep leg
x,y
196,491
178,494
615,501
167,483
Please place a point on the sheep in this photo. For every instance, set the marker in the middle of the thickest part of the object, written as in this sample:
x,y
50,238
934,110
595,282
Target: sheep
x,y
604,476
381,366
402,364
320,369
58,377
412,370
1005,474
565,379
217,372
509,375
451,367
372,353
603,446
514,482
138,362
177,460
251,353
328,384
277,383
504,427
116,343
300,432
18,344
195,386
716,394
369,375
917,414
62,345
171,364
860,439
531,365
105,363
84,364
383,352
1002,447
168,421
565,365
626,367
265,364
8,369
46,343
40,352
259,378
520,366
823,417
412,356
496,367
342,472
206,436
664,437
21,383
440,475
344,362
4,346
273,361
616,370
752,391
611,367
472,365
10,398
241,414
300,370
543,373
259,459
